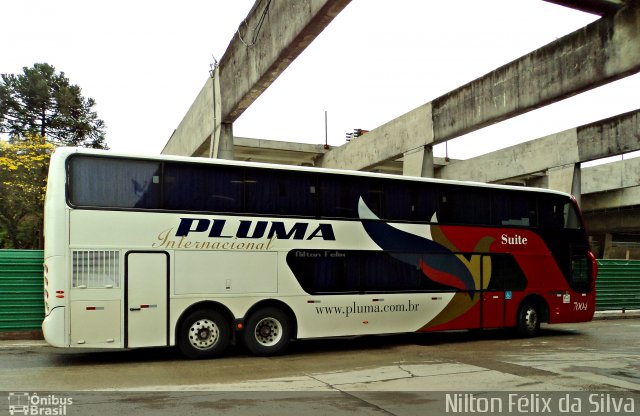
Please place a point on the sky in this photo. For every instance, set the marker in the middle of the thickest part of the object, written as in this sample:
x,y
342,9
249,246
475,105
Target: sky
x,y
145,61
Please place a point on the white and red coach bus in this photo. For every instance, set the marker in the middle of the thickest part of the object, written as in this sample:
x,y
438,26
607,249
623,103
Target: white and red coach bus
x,y
200,253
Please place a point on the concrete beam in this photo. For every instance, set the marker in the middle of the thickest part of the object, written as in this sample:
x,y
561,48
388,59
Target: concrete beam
x,y
407,132
602,52
612,176
615,199
272,151
615,220
599,7
252,61
246,71
596,140
613,136
191,137
516,161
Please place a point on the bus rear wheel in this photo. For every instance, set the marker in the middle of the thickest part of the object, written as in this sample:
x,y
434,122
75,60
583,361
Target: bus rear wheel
x,y
267,332
529,319
204,334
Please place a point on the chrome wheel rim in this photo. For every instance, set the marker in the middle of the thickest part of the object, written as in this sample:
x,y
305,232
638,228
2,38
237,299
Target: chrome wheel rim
x,y
531,319
203,334
268,332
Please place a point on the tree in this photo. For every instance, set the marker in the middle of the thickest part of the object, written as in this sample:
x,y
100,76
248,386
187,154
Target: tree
x,y
23,179
41,102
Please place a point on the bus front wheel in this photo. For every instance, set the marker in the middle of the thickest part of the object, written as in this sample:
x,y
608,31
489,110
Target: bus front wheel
x,y
204,334
529,319
267,332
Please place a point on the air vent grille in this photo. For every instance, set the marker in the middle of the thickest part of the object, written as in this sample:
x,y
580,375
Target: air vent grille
x,y
96,268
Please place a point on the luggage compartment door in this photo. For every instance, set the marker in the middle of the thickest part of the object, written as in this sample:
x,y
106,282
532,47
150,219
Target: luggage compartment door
x,y
146,301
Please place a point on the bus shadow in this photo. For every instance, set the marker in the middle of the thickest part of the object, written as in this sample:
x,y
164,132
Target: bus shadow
x,y
98,357
506,334
443,338
315,346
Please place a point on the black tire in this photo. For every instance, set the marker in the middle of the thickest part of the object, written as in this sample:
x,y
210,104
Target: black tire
x,y
529,316
204,334
267,332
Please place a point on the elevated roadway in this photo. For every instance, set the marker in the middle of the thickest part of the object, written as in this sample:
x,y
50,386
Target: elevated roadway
x,y
602,52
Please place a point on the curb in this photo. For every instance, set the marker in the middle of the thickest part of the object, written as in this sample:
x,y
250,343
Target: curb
x,y
35,334
617,314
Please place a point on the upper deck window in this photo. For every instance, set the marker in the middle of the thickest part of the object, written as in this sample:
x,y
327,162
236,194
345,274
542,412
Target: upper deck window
x,y
114,183
123,183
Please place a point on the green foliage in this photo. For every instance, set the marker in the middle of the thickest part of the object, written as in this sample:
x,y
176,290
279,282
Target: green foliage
x,y
39,109
41,102
23,179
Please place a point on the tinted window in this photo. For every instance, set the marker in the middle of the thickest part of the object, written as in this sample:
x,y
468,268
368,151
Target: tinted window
x,y
280,193
339,196
114,183
514,209
320,271
580,273
192,187
324,272
506,274
407,201
464,205
557,212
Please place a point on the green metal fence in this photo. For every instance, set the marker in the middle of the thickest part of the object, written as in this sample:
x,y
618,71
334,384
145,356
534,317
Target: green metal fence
x,y
21,290
618,284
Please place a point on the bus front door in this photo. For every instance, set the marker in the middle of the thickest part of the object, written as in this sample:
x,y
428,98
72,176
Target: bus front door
x,y
146,302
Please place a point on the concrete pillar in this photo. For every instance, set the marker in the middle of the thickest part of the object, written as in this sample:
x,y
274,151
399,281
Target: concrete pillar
x,y
419,162
225,147
567,179
607,246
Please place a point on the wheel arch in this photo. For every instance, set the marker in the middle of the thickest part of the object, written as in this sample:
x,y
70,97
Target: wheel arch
x,y
540,302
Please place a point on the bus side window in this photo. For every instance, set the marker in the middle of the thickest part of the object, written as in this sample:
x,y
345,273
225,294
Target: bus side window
x,y
571,218
553,212
189,187
408,201
114,183
505,274
464,205
339,196
514,209
273,192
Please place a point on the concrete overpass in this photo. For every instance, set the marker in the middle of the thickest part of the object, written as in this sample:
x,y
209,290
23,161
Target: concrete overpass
x,y
602,52
609,193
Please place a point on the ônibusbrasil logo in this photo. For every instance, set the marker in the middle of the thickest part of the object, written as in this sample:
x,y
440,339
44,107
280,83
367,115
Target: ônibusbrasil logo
x,y
35,404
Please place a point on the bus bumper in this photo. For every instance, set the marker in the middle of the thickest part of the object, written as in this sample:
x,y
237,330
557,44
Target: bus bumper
x,y
53,327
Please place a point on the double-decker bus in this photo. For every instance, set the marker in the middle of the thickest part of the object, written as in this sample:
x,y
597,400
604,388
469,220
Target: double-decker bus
x,y
200,253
